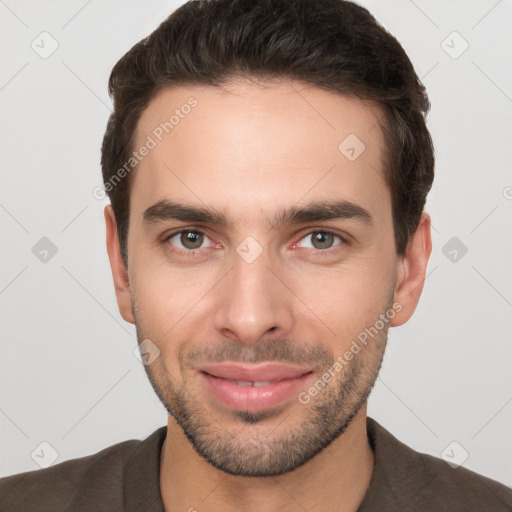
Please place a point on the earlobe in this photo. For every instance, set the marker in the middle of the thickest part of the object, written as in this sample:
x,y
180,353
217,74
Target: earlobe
x,y
411,271
119,271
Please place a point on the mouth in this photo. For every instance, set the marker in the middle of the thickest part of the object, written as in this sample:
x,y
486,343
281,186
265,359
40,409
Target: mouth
x,y
251,387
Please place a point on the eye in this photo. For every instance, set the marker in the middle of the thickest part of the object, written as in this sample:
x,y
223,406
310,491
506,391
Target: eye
x,y
322,241
187,240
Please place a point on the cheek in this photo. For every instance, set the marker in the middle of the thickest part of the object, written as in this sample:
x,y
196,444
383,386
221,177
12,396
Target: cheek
x,y
167,297
345,298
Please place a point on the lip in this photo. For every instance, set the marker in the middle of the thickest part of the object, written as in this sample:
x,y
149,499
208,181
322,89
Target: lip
x,y
253,372
286,382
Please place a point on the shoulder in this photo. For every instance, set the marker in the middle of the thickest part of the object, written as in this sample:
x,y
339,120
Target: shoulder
x,y
454,486
51,489
409,480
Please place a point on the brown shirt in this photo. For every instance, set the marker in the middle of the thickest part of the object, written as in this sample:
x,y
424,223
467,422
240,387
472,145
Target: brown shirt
x,y
125,477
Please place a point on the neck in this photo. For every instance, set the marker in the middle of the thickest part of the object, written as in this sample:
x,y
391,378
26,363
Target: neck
x,y
335,479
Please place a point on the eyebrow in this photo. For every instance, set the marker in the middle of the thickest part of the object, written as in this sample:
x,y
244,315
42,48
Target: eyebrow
x,y
313,212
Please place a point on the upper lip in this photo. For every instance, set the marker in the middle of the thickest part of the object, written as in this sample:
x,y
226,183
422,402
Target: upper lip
x,y
262,372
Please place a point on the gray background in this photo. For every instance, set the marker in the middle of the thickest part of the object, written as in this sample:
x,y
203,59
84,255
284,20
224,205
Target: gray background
x,y
68,375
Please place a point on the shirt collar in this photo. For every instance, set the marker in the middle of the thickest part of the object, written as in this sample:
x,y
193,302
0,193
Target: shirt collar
x,y
141,483
141,487
398,475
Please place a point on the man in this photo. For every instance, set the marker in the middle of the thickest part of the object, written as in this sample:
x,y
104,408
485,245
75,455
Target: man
x,y
267,165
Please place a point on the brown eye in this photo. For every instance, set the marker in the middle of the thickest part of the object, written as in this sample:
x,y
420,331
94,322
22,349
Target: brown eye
x,y
322,239
187,240
322,242
191,239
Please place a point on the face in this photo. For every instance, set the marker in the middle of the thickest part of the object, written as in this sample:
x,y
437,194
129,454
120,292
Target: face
x,y
257,235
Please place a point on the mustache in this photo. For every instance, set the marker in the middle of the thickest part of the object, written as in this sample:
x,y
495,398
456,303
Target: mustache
x,y
270,350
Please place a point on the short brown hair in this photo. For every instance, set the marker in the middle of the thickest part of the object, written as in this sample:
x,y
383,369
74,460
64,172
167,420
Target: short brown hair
x,y
333,44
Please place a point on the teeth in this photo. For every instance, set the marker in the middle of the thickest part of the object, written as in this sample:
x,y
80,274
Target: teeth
x,y
250,383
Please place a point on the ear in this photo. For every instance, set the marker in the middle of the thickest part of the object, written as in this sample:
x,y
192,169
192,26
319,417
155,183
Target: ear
x,y
119,271
411,271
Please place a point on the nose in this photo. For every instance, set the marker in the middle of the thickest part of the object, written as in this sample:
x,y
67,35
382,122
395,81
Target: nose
x,y
253,302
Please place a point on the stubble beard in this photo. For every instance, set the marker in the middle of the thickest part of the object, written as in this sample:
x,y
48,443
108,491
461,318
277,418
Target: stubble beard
x,y
246,451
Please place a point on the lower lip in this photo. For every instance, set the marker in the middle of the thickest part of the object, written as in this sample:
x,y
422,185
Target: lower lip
x,y
253,398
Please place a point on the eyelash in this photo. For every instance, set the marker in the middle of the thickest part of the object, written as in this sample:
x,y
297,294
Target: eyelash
x,y
315,252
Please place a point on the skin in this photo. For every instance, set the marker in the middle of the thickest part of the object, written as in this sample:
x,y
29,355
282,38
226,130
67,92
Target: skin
x,y
250,150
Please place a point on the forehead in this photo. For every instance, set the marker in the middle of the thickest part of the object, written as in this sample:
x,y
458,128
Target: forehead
x,y
259,146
